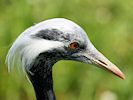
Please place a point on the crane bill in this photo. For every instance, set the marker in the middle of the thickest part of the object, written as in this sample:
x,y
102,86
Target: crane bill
x,y
104,63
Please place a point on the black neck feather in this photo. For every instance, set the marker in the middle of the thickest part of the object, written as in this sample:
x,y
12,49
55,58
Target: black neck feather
x,y
40,76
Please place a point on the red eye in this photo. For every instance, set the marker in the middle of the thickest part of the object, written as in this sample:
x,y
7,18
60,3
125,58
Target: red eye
x,y
74,45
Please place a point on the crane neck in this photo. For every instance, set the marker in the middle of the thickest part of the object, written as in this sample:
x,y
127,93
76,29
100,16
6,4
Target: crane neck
x,y
40,76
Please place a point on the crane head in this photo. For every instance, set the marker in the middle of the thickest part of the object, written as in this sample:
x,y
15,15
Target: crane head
x,y
61,39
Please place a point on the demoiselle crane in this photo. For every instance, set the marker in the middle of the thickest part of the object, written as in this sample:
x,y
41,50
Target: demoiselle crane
x,y
39,47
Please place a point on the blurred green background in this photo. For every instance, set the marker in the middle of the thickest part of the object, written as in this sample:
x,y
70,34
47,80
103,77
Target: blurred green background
x,y
109,25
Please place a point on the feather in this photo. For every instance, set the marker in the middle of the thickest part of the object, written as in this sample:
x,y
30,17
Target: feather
x,y
25,49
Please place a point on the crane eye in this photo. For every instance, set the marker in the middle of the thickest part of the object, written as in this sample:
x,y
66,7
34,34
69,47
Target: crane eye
x,y
74,45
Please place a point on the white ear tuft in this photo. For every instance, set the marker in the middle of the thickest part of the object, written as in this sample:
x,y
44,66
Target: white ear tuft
x,y
25,49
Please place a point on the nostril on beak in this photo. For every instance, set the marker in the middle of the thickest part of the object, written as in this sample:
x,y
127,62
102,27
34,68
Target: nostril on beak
x,y
102,62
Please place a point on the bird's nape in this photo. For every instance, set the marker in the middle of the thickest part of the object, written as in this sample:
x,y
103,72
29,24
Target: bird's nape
x,y
39,47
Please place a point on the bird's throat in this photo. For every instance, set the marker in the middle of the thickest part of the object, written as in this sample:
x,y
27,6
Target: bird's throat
x,y
40,76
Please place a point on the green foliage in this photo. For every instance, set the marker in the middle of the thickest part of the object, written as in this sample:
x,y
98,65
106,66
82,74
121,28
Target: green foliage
x,y
109,25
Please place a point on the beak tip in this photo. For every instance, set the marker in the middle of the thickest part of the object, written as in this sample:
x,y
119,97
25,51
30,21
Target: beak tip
x,y
122,76
119,73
